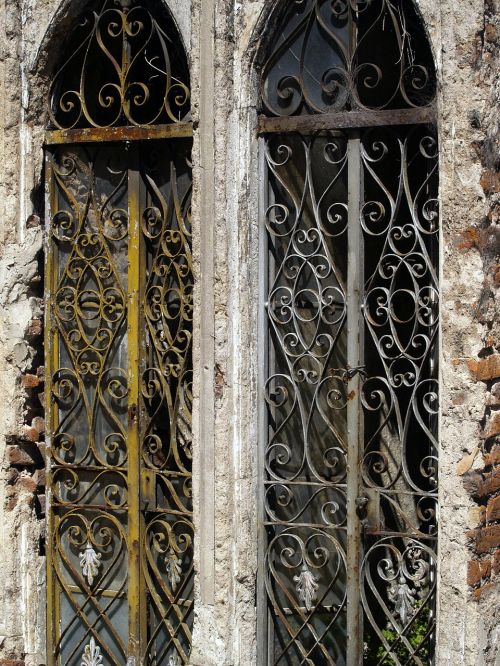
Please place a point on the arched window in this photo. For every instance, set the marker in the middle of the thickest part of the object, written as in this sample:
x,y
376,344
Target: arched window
x,y
350,293
118,342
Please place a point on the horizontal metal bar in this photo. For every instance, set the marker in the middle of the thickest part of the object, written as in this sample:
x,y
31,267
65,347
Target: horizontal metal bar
x,y
318,609
314,484
90,507
128,133
346,120
98,593
420,536
317,526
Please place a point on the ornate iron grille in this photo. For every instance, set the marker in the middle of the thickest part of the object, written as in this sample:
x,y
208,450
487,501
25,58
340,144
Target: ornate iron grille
x,y
351,291
124,66
119,354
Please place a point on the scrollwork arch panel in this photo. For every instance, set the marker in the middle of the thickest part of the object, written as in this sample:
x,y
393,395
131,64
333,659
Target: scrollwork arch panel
x,y
119,342
349,436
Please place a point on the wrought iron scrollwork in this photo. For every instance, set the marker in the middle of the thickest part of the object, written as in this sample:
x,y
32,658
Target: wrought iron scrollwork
x,y
306,394
346,54
122,68
309,222
93,422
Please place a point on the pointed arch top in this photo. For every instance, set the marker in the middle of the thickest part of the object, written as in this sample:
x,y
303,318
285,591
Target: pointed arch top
x,y
332,56
124,65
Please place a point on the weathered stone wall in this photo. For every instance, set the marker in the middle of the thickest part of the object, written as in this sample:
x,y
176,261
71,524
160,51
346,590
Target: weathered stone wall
x,y
464,35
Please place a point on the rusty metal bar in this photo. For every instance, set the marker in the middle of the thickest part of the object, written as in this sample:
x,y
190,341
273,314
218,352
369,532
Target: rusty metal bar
x,y
354,282
128,133
308,124
133,438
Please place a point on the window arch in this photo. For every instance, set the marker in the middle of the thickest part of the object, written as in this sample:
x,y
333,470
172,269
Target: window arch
x,y
349,441
119,342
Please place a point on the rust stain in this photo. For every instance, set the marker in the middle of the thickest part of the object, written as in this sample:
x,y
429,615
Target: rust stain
x,y
351,395
470,239
126,133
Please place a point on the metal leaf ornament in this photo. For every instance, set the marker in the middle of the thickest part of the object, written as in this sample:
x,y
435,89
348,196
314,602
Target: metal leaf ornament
x,y
307,587
92,655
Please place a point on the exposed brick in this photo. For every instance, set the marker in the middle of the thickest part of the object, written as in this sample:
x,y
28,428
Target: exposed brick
x,y
492,457
11,662
12,476
493,509
485,369
11,496
40,478
27,483
477,571
39,424
492,426
30,381
490,483
485,538
472,481
19,457
496,563
490,181
35,328
30,433
480,591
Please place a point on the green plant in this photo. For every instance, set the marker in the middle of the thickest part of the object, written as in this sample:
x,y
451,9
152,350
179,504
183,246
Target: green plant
x,y
376,654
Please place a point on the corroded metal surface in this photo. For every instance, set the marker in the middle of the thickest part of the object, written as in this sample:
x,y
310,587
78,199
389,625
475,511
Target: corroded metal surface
x,y
354,120
119,343
120,552
126,133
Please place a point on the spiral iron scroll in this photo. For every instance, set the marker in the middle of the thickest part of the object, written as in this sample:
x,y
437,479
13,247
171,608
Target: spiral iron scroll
x,y
335,55
305,457
166,399
307,392
91,448
122,67
400,222
89,390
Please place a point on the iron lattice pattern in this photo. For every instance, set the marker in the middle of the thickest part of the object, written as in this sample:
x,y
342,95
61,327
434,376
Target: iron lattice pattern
x,y
315,221
122,67
119,356
346,54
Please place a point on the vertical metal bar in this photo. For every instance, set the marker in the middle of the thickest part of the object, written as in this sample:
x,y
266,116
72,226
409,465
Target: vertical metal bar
x,y
206,316
51,360
133,442
354,643
263,348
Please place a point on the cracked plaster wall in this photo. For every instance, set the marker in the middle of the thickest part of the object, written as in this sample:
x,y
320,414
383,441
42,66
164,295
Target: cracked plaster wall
x,y
468,100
